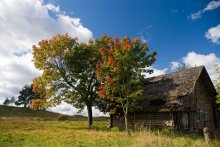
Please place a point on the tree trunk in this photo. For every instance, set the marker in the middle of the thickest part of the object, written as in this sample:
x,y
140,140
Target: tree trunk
x,y
111,121
89,109
25,105
126,121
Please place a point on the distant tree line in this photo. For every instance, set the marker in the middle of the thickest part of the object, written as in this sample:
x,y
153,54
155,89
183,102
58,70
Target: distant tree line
x,y
9,101
27,98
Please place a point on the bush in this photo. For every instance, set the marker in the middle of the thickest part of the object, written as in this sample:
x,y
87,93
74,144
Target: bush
x,y
62,117
167,131
115,129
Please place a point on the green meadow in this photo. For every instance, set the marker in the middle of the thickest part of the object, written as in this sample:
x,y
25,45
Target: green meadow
x,y
25,130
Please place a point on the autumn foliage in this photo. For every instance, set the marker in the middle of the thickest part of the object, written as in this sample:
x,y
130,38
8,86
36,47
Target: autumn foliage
x,y
68,71
37,104
120,72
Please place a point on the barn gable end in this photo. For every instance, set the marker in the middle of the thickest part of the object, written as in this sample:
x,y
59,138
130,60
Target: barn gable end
x,y
184,100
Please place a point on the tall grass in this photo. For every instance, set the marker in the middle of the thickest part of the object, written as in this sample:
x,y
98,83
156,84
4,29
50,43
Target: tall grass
x,y
25,133
159,139
54,133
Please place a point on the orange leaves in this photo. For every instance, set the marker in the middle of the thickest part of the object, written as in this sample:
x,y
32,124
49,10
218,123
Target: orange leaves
x,y
103,51
101,92
118,57
111,42
111,61
39,87
127,46
135,41
37,104
109,80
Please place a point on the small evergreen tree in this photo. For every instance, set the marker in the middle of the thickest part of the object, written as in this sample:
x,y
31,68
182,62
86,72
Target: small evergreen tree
x,y
12,100
6,102
26,95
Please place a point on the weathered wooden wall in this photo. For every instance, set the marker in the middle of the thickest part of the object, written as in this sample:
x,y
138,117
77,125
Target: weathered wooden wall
x,y
202,101
141,119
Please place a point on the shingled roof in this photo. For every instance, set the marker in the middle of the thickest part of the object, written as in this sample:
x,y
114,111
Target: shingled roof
x,y
171,87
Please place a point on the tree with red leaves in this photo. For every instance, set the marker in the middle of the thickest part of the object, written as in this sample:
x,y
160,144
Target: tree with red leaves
x,y
120,73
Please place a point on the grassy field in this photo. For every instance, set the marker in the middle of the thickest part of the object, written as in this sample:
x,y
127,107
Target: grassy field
x,y
9,112
20,132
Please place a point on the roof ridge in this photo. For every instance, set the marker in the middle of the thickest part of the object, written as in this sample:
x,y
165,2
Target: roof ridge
x,y
184,70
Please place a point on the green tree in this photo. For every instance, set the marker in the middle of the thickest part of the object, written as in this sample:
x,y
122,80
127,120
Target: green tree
x,y
6,102
26,95
12,100
68,71
217,83
120,73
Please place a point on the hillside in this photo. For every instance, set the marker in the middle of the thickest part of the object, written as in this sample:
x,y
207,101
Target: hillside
x,y
10,112
25,127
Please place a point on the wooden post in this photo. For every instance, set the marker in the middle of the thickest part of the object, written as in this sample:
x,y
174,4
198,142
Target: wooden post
x,y
206,133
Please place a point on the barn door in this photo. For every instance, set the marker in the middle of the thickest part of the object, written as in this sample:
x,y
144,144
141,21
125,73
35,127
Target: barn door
x,y
181,121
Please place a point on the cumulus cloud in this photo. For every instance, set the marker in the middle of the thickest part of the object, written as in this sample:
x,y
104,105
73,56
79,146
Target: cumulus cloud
x,y
156,72
210,6
68,109
214,34
174,65
24,23
193,59
53,8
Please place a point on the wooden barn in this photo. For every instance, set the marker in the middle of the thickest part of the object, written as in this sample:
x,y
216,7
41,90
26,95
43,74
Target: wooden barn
x,y
184,100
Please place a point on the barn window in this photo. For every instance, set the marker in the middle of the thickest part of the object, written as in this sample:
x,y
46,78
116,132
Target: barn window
x,y
158,102
200,114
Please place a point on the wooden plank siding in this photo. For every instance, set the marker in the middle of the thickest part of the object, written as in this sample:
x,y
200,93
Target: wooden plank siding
x,y
204,107
141,119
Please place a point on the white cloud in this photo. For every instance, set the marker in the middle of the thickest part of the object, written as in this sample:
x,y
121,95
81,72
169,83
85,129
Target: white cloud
x,y
210,6
214,34
156,72
195,15
24,23
174,65
68,109
53,8
193,59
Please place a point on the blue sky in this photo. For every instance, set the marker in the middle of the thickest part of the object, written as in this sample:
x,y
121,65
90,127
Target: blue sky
x,y
165,24
181,31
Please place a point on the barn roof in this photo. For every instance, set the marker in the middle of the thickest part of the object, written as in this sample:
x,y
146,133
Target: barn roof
x,y
171,87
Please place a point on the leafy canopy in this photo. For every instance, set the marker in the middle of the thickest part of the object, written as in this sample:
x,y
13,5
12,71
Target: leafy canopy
x,y
68,71
120,72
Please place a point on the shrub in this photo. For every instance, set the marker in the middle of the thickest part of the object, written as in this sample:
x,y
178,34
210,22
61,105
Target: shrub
x,y
62,117
115,129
